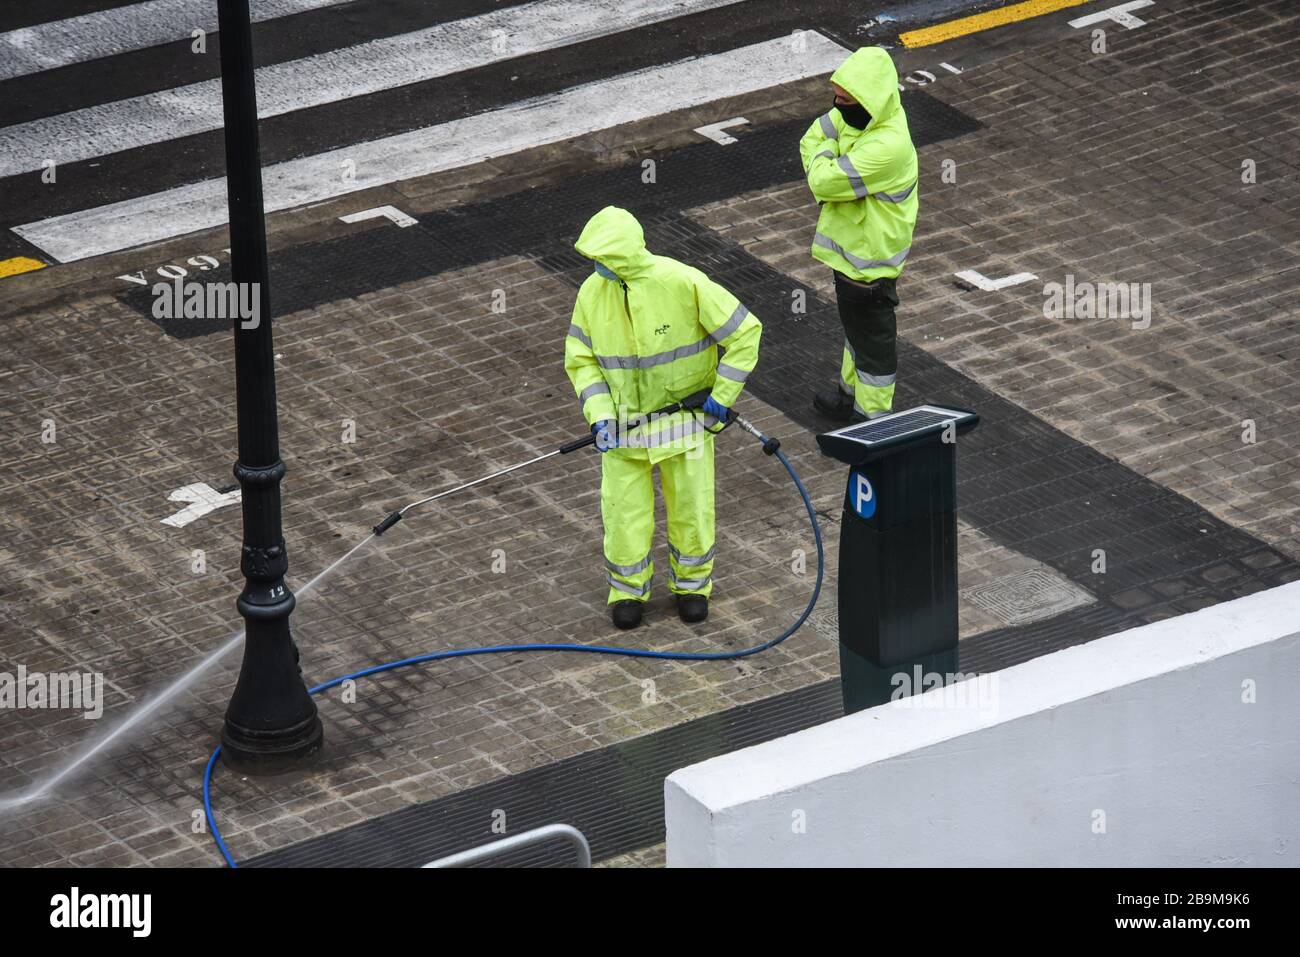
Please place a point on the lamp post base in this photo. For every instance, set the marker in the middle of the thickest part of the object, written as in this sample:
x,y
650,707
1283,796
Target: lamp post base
x,y
249,751
271,724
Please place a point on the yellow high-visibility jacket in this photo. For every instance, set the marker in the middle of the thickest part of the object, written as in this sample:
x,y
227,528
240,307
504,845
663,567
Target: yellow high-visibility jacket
x,y
659,333
865,180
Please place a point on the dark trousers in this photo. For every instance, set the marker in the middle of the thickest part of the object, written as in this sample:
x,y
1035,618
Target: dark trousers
x,y
870,362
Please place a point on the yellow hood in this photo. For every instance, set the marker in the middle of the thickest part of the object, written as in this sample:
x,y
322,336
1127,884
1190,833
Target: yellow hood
x,y
870,77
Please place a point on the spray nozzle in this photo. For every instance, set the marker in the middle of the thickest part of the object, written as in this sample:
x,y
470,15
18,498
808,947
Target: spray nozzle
x,y
388,523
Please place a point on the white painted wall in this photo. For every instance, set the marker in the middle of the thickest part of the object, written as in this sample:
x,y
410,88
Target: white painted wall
x,y
1147,727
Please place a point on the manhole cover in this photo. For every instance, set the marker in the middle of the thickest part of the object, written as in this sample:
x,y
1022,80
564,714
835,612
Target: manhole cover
x,y
1027,596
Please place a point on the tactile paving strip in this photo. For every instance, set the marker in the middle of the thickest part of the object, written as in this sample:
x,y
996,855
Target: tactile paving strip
x,y
536,222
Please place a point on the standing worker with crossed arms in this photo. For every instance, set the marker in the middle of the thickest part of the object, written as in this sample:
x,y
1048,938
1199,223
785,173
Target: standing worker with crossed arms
x,y
862,170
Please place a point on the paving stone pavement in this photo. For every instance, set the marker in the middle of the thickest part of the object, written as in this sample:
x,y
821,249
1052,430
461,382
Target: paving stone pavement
x,y
115,591
1117,168
381,361
654,856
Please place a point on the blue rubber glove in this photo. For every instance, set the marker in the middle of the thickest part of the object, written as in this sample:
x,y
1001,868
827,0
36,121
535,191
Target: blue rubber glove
x,y
605,439
716,409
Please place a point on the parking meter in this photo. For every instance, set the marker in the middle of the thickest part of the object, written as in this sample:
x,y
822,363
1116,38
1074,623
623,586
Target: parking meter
x,y
898,550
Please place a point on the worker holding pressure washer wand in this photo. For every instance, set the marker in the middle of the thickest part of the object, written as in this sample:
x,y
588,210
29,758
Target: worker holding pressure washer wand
x,y
648,332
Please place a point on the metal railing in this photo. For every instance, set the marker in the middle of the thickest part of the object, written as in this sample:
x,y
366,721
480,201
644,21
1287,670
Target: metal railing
x,y
538,835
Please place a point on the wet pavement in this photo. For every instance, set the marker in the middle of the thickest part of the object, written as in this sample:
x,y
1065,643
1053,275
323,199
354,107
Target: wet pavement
x,y
1125,469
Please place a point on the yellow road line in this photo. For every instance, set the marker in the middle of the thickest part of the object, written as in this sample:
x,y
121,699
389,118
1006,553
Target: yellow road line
x,y
19,264
983,21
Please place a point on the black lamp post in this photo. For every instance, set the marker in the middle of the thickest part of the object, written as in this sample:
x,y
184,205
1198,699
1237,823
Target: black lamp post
x,y
271,724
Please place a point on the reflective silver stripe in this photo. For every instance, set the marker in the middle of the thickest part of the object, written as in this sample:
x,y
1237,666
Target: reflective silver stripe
x,y
659,358
576,331
598,388
674,432
731,325
732,373
866,378
857,407
859,187
876,381
821,239
690,584
829,154
628,570
894,197
688,560
630,589
828,127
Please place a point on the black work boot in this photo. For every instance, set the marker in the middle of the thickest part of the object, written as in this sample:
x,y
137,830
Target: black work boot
x,y
834,404
693,608
626,614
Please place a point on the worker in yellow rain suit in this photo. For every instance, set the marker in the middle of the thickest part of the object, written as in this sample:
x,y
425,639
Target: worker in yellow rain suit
x,y
862,170
647,331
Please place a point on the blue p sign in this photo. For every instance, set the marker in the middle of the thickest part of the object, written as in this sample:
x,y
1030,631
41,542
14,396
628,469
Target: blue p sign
x,y
861,495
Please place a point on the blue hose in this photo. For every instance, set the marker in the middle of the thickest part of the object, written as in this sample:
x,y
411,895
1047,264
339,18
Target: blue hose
x,y
589,649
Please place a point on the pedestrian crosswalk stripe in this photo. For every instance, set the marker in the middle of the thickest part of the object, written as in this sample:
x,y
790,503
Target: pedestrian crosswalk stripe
x,y
136,26
341,74
574,112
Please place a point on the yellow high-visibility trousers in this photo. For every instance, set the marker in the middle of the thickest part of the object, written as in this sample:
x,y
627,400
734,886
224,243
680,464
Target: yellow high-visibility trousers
x,y
870,397
627,508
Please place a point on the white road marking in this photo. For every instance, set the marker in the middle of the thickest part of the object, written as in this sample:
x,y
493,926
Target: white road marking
x,y
390,213
122,29
979,281
329,77
203,498
1122,14
578,111
714,130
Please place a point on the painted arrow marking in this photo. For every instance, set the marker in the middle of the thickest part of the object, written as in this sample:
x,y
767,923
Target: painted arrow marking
x,y
390,213
203,498
714,130
980,281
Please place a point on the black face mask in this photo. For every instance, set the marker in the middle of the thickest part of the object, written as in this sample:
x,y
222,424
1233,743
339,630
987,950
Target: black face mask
x,y
856,115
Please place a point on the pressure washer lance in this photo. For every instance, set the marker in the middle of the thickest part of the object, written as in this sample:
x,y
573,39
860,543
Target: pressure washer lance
x,y
689,404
